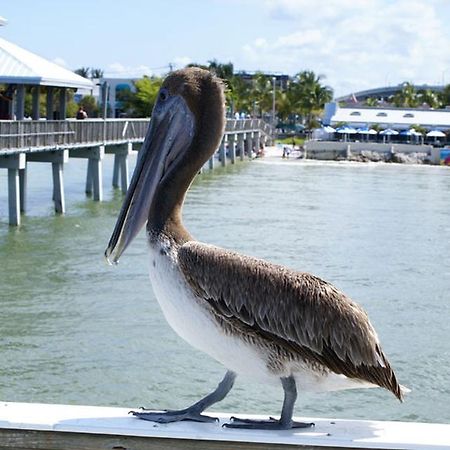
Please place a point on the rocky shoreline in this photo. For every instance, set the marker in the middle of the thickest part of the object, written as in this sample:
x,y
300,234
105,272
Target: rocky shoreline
x,y
393,157
363,156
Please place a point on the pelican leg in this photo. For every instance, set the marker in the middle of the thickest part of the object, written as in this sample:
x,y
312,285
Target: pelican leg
x,y
285,422
193,412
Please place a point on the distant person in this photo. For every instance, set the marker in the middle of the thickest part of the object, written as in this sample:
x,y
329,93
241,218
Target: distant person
x,y
81,114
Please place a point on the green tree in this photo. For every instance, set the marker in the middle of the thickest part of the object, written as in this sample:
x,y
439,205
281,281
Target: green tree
x,y
407,97
430,98
140,103
239,93
308,96
83,72
371,101
96,73
90,105
261,93
283,105
444,96
224,71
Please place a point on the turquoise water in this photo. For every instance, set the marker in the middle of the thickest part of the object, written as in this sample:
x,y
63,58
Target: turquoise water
x,y
74,330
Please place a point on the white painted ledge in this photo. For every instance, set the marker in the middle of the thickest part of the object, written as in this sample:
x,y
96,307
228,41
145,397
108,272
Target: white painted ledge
x,y
327,432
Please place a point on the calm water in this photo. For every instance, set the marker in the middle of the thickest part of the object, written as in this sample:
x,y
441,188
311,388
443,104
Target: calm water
x,y
74,330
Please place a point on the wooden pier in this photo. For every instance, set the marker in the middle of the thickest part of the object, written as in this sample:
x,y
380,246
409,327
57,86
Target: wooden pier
x,y
56,141
26,426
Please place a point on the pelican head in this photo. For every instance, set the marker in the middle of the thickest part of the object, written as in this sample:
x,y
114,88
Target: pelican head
x,y
186,126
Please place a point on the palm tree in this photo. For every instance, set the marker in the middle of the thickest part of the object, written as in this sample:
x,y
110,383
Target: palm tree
x,y
96,73
308,95
407,97
371,101
83,72
430,98
444,97
261,93
224,71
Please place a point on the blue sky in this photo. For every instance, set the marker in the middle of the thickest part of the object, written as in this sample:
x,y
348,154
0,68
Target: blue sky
x,y
356,44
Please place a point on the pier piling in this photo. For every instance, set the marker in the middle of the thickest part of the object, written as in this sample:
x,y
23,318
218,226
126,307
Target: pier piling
x,y
55,141
13,163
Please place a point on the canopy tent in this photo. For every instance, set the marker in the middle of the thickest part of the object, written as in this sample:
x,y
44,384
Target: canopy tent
x,y
20,68
435,134
389,132
328,129
345,130
366,130
411,133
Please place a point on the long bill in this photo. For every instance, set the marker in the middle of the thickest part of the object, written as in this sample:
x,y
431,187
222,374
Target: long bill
x,y
170,133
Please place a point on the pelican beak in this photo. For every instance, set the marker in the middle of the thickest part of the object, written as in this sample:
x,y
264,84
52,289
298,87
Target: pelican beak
x,y
171,131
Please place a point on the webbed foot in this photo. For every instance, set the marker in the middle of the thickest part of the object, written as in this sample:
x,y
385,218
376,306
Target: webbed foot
x,y
169,416
271,424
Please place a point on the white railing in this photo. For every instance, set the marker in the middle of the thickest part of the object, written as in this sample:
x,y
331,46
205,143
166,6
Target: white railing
x,y
48,134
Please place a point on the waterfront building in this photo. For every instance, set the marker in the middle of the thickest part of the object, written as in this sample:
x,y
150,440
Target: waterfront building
x,y
106,90
386,117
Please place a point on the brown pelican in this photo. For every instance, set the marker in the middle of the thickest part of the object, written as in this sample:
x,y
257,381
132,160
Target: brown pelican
x,y
256,318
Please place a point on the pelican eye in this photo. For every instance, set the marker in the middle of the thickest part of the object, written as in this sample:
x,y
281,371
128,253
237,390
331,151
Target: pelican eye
x,y
163,94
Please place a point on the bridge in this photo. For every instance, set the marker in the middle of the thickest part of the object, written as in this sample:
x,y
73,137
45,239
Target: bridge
x,y
56,141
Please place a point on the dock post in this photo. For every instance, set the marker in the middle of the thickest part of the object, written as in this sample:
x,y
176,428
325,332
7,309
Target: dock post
x,y
124,172
14,197
97,178
231,148
211,162
23,188
257,142
89,186
223,153
14,163
58,188
57,158
115,178
94,180
249,142
241,146
120,170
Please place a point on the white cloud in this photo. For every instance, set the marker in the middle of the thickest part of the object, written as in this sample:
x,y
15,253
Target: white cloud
x,y
118,70
357,45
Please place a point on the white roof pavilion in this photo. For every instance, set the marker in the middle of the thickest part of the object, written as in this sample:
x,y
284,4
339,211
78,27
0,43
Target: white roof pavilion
x,y
19,66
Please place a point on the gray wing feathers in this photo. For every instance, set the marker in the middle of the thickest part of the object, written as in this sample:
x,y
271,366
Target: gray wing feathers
x,y
293,307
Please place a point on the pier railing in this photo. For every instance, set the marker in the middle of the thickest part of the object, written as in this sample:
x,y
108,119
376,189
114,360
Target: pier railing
x,y
26,135
55,141
29,134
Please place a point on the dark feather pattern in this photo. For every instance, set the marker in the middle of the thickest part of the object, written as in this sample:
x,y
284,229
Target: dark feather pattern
x,y
297,315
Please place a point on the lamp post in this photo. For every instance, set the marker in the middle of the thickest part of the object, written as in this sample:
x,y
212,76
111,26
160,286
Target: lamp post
x,y
105,89
273,101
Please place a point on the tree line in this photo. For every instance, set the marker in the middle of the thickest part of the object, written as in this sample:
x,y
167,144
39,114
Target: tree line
x,y
301,99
